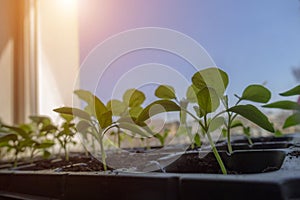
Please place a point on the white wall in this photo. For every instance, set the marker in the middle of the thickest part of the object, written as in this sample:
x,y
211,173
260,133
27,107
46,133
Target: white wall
x,y
7,36
58,54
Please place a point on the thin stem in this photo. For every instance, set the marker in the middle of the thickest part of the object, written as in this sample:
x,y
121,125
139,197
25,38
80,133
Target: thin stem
x,y
103,155
216,153
249,140
234,116
66,152
228,134
119,137
193,116
220,113
16,159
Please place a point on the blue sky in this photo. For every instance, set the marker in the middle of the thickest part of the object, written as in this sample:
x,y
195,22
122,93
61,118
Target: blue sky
x,y
253,41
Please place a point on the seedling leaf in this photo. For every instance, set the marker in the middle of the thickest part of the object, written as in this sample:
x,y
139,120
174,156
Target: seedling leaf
x,y
256,93
165,92
287,105
74,112
251,113
208,100
95,105
134,129
17,130
292,120
133,97
82,126
211,77
216,123
135,111
292,92
117,107
157,107
8,137
105,119
191,93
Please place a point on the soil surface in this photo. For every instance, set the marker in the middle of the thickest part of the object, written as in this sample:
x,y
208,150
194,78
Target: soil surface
x,y
78,162
294,154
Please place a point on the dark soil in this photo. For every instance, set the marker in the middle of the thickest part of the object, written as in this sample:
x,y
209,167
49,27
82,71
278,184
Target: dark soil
x,y
78,162
192,163
294,154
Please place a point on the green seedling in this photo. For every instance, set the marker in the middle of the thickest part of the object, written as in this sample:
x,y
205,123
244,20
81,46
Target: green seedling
x,y
293,119
207,92
239,124
28,137
162,137
15,139
65,134
41,131
97,119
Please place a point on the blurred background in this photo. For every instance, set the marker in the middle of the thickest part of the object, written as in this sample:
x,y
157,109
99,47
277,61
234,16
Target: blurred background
x,y
44,42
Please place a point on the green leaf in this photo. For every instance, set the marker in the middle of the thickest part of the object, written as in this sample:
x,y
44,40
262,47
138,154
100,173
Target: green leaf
x,y
286,105
236,123
82,126
105,119
216,123
157,107
74,112
133,97
197,140
256,93
160,138
292,120
99,110
292,92
135,111
49,128
117,107
224,132
191,93
45,144
40,119
246,131
208,100
46,154
18,131
251,113
67,118
278,133
134,129
211,77
8,137
165,92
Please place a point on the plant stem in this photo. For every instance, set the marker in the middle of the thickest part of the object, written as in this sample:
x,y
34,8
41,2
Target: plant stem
x,y
228,134
119,137
250,141
16,159
66,153
216,153
103,155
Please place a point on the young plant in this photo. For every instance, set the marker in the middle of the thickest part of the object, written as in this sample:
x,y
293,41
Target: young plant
x,y
293,119
97,119
253,93
207,92
15,139
28,137
41,131
162,137
65,134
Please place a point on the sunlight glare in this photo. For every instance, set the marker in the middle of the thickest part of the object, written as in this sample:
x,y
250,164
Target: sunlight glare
x,y
68,4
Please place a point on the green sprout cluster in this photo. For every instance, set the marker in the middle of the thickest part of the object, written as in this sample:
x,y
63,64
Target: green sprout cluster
x,y
205,102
